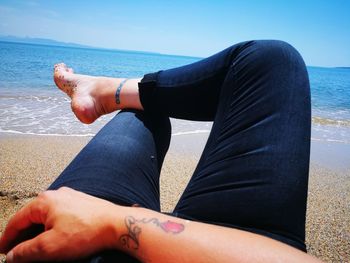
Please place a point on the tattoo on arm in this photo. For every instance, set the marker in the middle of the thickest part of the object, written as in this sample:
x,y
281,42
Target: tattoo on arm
x,y
131,239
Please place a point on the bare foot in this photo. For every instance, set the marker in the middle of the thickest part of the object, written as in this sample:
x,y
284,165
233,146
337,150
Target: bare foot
x,y
91,96
95,96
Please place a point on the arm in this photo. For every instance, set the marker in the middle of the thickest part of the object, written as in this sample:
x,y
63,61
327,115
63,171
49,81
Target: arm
x,y
154,237
78,225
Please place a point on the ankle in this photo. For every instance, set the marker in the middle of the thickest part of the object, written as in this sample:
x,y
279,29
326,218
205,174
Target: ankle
x,y
105,93
129,95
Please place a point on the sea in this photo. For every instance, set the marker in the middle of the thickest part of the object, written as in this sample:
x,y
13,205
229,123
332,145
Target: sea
x,y
30,103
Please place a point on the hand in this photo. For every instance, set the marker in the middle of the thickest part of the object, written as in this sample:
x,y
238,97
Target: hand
x,y
75,225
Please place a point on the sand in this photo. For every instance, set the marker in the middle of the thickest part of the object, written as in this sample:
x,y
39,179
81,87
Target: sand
x,y
28,164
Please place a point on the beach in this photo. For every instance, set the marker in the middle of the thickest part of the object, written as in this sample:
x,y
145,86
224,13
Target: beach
x,y
29,163
39,134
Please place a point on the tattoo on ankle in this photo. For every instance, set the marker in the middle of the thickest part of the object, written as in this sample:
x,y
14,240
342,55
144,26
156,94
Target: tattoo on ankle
x,y
131,239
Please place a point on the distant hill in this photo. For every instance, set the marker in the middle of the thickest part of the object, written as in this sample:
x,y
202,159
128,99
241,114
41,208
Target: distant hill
x,y
41,41
51,42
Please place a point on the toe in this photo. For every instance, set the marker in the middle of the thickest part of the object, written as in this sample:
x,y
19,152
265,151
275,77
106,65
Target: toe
x,y
60,66
57,65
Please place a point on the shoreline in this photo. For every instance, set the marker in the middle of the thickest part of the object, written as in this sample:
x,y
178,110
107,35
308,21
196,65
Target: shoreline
x,y
327,153
323,128
29,163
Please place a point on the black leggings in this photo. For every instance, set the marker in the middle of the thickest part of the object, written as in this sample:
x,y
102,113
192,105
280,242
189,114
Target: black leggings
x,y
253,173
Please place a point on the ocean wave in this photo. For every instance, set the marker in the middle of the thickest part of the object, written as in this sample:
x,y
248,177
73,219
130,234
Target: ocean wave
x,y
91,134
330,140
190,132
35,98
173,134
331,122
46,134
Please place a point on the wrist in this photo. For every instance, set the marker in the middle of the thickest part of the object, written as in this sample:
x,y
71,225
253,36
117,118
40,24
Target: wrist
x,y
137,231
115,226
123,236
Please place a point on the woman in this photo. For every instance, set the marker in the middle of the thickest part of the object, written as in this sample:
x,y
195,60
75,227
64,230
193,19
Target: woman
x,y
246,200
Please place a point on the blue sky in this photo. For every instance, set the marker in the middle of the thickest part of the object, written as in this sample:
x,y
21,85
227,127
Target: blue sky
x,y
320,29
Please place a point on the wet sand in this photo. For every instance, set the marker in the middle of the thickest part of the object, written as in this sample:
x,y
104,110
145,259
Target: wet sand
x,y
28,164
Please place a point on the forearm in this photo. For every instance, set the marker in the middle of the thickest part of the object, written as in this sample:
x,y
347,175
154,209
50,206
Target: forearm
x,y
88,225
154,237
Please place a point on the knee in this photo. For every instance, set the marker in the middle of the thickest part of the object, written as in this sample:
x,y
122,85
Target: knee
x,y
276,52
267,65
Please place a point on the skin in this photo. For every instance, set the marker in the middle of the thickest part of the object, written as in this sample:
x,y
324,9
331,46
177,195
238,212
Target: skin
x,y
95,96
76,225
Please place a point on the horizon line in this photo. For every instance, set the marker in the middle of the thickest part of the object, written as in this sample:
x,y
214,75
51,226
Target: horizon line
x,y
84,46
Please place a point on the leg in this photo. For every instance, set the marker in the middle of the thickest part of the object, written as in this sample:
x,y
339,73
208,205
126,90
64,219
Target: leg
x,y
92,97
254,90
123,161
122,164
253,173
188,92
